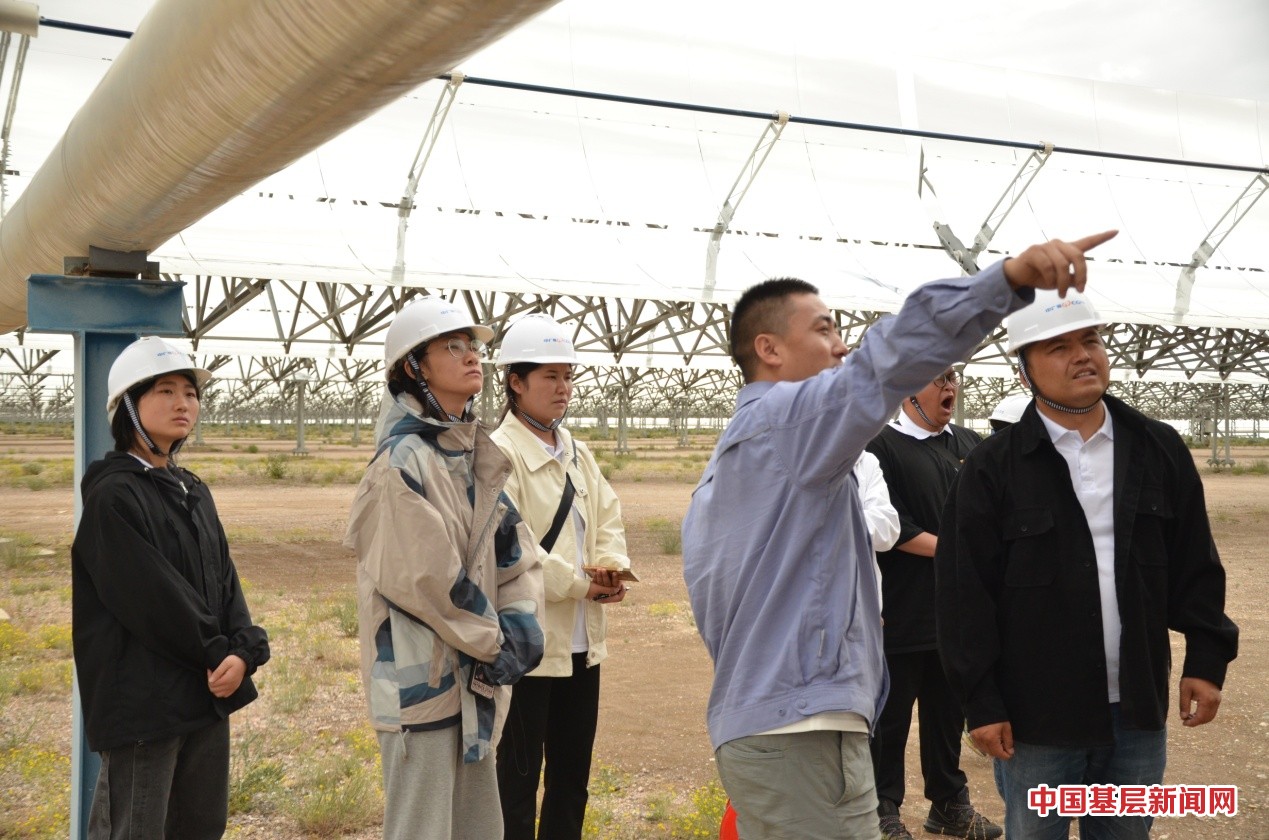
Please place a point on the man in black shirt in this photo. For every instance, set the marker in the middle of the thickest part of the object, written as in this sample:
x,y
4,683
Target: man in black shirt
x,y
920,453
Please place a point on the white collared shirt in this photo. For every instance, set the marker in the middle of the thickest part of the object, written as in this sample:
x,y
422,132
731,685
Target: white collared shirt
x,y
1092,466
909,427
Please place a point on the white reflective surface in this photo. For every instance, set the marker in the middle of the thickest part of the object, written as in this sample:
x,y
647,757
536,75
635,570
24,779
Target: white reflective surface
x,y
546,193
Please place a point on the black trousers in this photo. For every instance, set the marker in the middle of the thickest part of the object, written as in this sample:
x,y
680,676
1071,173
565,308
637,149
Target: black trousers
x,y
918,678
555,718
173,789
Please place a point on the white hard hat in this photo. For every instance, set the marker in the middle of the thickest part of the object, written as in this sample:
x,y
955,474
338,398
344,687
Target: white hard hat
x,y
424,319
1009,410
536,338
144,359
1049,316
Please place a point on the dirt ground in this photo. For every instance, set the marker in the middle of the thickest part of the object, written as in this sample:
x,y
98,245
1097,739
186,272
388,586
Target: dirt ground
x,y
656,681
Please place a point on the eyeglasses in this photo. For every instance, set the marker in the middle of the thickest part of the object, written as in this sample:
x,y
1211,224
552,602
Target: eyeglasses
x,y
948,378
459,347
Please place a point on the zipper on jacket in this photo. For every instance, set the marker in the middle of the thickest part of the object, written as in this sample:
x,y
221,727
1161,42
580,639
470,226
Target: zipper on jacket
x,y
493,511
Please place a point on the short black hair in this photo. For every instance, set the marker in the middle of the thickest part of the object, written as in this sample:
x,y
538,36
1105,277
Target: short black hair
x,y
762,309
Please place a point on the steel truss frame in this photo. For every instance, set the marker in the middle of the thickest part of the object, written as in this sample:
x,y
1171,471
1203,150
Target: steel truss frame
x,y
650,357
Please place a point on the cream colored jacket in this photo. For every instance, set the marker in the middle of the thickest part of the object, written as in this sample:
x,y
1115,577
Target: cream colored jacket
x,y
535,486
448,579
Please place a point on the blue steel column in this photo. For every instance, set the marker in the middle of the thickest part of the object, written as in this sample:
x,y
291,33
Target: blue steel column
x,y
104,315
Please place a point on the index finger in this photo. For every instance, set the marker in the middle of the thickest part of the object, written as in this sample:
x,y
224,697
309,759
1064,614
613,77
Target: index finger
x,y
1088,243
1077,274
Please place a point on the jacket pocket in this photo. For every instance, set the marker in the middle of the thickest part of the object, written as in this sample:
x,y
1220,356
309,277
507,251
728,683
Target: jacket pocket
x,y
1031,560
421,659
1154,517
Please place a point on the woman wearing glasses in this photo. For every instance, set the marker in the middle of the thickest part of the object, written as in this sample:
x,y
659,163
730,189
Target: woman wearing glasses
x,y
449,583
576,517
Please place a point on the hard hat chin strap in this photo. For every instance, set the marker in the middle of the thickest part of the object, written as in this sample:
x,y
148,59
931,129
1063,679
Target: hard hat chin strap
x,y
541,427
1035,391
430,398
524,415
549,427
136,422
921,411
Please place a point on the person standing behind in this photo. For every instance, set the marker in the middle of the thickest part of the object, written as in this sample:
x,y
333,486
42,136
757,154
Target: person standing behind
x,y
879,512
565,499
1072,542
163,640
1008,411
920,452
776,555
449,586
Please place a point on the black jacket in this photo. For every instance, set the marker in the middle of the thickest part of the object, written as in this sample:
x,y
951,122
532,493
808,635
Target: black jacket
x,y
918,474
1018,605
156,602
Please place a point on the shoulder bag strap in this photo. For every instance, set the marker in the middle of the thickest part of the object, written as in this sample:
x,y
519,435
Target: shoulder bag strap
x,y
566,504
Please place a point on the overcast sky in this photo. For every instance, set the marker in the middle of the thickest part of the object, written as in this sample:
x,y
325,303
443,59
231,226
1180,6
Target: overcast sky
x,y
1215,47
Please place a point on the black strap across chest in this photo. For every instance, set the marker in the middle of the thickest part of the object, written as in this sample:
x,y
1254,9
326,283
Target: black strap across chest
x,y
561,513
566,504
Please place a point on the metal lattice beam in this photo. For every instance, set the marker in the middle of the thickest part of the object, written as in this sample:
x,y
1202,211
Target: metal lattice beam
x,y
645,354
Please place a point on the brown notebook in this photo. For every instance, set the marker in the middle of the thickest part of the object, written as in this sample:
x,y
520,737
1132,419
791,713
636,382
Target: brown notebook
x,y
624,574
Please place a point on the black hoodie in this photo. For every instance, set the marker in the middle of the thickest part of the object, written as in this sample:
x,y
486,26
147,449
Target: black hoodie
x,y
156,603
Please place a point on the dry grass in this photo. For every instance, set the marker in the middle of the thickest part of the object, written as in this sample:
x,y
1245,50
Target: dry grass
x,y
305,762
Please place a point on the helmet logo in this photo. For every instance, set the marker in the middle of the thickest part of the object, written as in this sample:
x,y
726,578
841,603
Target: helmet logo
x,y
1063,304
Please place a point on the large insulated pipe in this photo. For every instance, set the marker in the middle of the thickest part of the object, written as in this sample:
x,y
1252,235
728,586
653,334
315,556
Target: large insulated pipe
x,y
209,98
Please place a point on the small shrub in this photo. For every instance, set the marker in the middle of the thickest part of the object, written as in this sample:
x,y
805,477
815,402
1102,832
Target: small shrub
x,y
663,609
276,466
253,779
600,822
12,639
289,688
35,482
340,796
8,689
344,612
32,468
21,553
364,742
705,814
669,535
45,774
658,808
606,780
55,637
252,448
32,679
